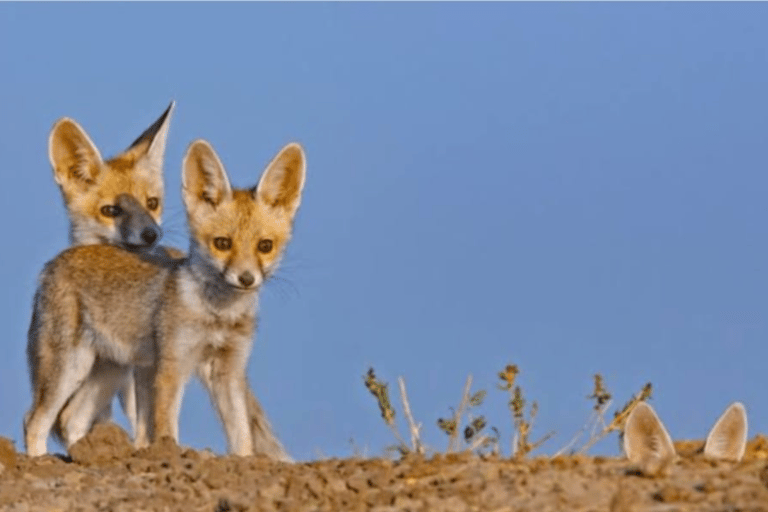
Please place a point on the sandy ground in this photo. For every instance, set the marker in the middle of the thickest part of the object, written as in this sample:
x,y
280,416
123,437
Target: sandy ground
x,y
105,473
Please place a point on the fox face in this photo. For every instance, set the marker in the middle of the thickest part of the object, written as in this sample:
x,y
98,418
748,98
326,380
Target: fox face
x,y
118,201
239,235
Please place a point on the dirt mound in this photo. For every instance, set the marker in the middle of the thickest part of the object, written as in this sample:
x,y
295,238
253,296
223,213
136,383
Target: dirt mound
x,y
105,442
106,475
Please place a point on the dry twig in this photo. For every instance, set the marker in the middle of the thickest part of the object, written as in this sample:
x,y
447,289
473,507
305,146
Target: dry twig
x,y
415,429
619,417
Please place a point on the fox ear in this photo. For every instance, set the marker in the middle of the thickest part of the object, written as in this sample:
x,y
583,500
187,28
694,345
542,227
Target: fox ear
x,y
150,145
646,442
728,438
74,157
204,180
282,183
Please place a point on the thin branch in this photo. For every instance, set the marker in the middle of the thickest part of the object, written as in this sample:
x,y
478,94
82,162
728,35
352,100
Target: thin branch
x,y
412,426
575,438
541,441
453,441
480,441
615,424
596,418
402,445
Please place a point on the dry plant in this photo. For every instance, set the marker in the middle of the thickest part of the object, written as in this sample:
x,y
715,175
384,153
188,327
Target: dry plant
x,y
358,452
596,424
473,436
472,433
521,444
620,416
379,390
414,428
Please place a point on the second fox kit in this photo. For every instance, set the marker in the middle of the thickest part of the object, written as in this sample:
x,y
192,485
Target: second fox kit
x,y
195,315
118,201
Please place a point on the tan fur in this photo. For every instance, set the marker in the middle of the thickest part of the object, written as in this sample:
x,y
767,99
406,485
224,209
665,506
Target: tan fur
x,y
88,182
175,317
133,181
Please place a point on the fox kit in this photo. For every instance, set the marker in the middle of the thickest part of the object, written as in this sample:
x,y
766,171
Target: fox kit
x,y
649,447
175,317
119,202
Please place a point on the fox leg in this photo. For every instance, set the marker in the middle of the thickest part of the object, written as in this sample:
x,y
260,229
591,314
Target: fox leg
x,y
92,402
51,395
143,378
168,387
60,356
263,438
127,396
123,384
224,376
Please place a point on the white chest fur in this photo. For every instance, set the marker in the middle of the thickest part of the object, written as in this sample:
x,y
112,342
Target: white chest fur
x,y
206,326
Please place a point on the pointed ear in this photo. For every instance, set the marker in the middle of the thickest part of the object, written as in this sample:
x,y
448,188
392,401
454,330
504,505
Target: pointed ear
x,y
283,181
204,180
74,157
728,438
646,442
150,146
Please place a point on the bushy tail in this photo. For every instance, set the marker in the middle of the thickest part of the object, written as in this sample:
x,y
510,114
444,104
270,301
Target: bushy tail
x,y
265,441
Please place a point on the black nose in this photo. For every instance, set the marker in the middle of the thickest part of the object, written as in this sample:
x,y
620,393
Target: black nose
x,y
246,278
149,236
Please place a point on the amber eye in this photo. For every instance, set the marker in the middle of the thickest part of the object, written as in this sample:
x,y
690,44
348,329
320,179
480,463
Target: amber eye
x,y
111,210
264,245
153,203
222,243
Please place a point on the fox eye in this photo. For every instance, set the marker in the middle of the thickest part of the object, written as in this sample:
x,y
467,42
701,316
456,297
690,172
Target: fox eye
x,y
222,243
153,203
264,245
111,210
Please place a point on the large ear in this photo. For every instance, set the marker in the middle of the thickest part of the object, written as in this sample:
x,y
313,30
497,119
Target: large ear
x,y
728,438
74,157
646,442
204,180
150,145
282,182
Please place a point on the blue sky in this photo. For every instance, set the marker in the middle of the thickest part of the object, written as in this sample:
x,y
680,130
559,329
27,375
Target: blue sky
x,y
571,188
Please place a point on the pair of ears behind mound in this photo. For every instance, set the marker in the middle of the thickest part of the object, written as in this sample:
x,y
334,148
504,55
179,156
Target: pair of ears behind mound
x,y
649,447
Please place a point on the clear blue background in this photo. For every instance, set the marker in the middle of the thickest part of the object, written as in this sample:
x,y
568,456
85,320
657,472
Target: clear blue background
x,y
572,188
